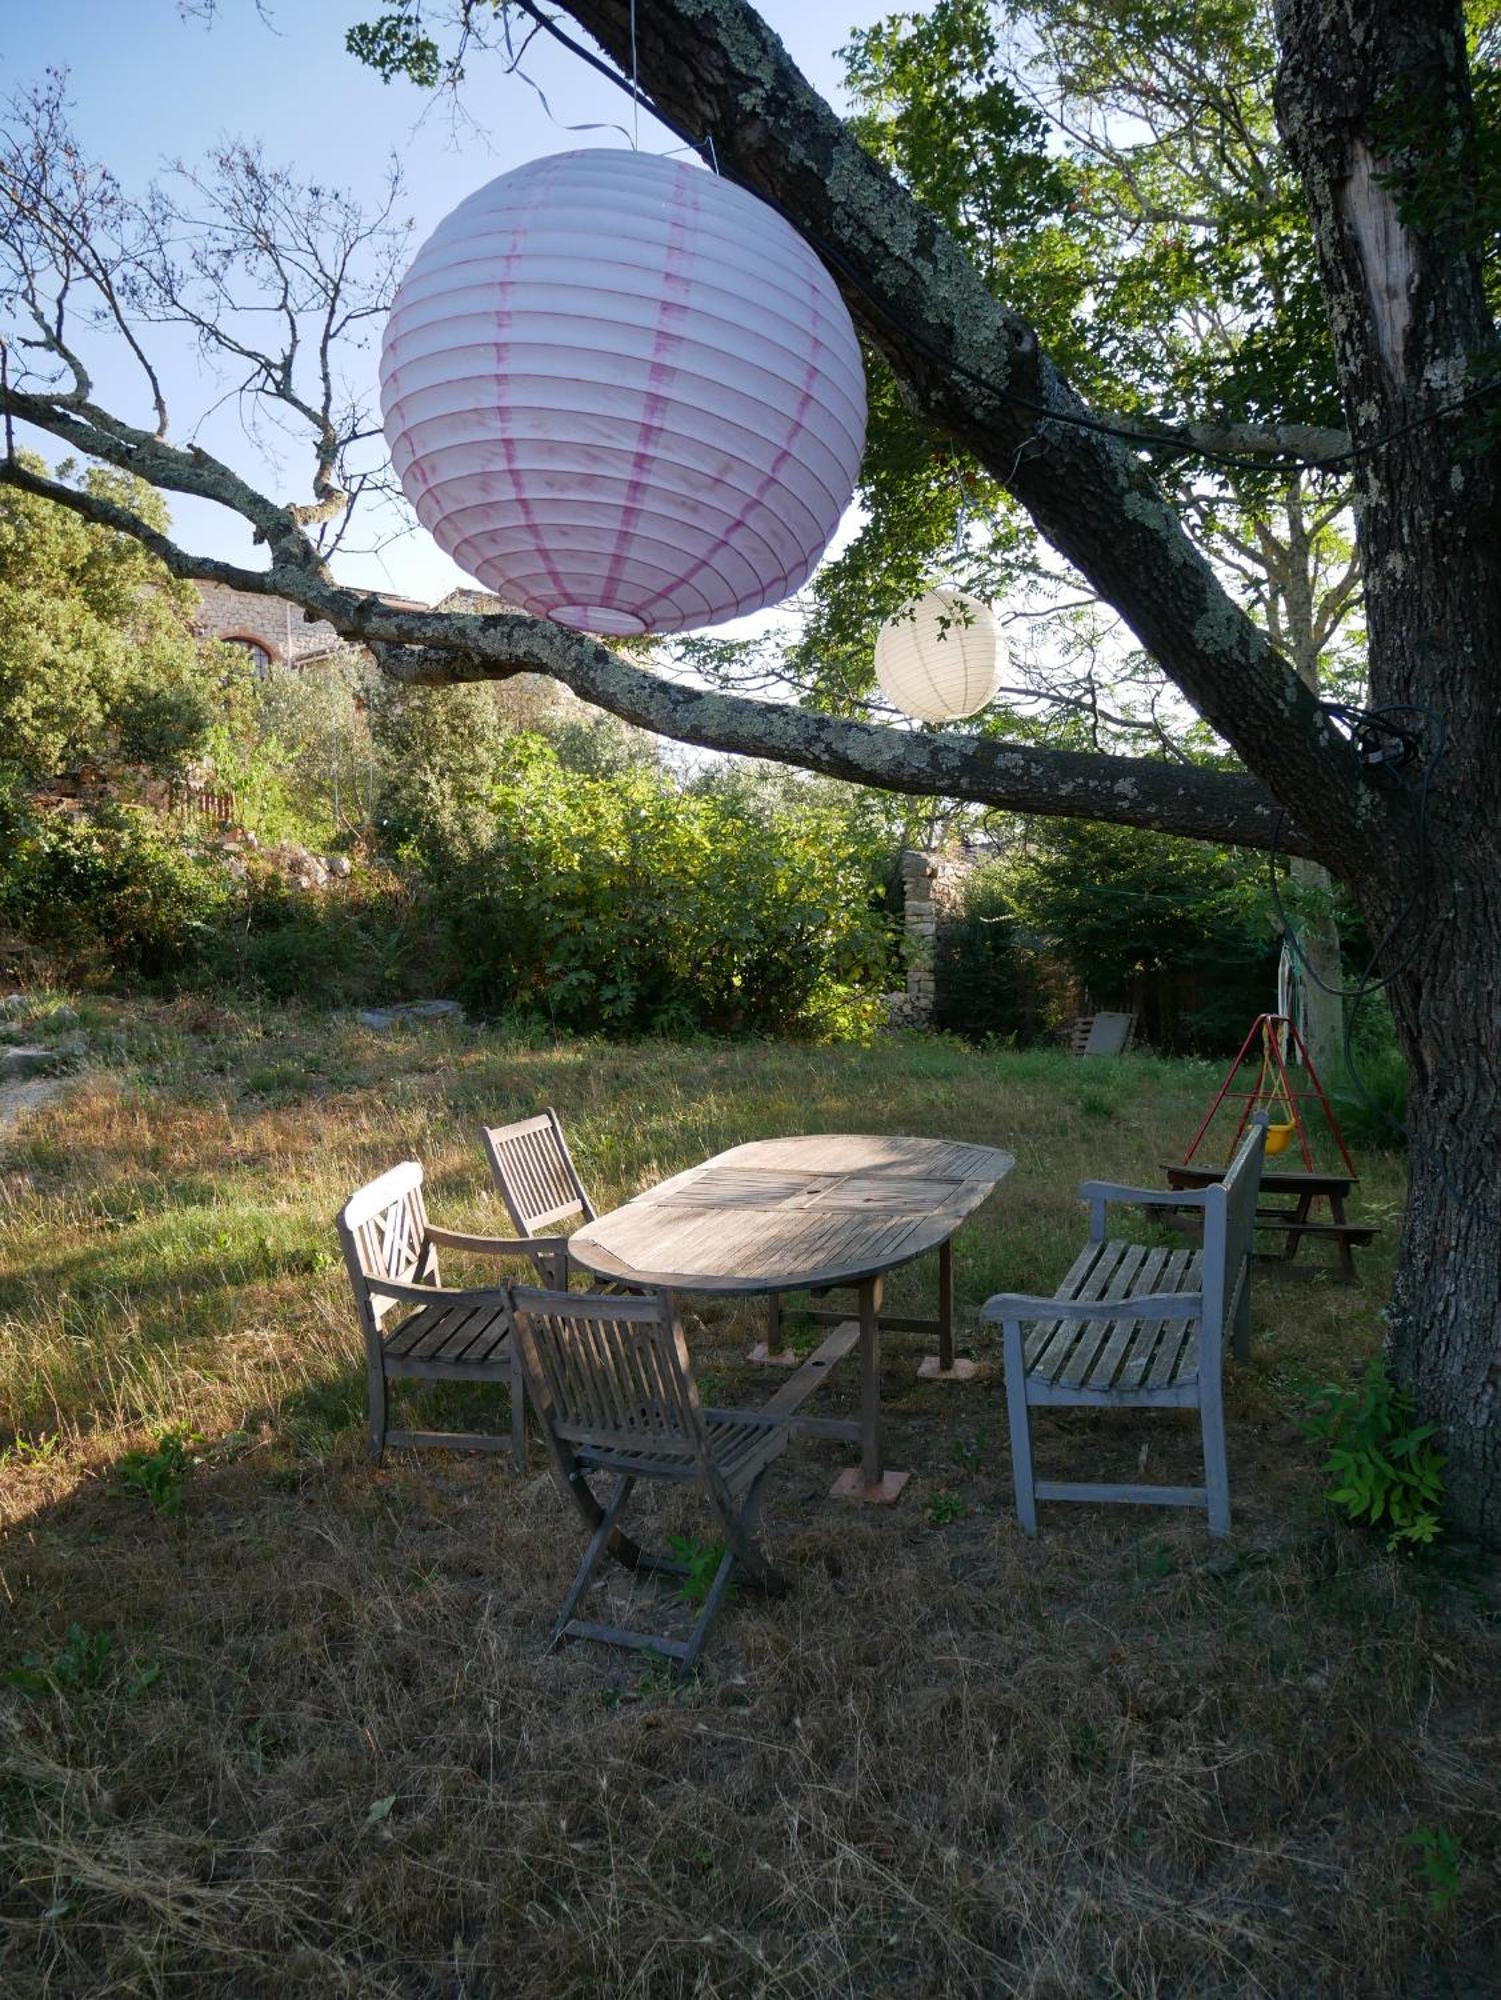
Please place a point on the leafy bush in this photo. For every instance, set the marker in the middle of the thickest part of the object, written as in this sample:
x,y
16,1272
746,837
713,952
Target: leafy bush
x,y
160,1474
98,661
372,940
1386,1470
1171,929
629,904
986,973
109,890
1370,1090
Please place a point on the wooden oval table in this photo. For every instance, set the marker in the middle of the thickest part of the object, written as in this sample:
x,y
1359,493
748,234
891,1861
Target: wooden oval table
x,y
807,1214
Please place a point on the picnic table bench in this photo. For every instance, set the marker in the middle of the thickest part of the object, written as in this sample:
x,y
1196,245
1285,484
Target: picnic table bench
x,y
1297,1219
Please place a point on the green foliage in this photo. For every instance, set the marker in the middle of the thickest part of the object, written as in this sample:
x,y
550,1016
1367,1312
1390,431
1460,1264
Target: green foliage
x,y
702,1560
944,1508
1438,1856
77,1668
113,889
1171,928
1369,1092
298,754
98,663
160,1474
1385,1468
629,904
395,45
986,978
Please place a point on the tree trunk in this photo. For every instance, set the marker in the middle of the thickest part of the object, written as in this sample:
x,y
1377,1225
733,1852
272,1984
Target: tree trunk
x,y
1446,1302
1374,102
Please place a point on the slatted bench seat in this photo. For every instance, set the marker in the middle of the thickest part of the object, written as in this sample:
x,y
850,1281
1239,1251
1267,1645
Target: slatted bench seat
x,y
1136,1327
1097,1357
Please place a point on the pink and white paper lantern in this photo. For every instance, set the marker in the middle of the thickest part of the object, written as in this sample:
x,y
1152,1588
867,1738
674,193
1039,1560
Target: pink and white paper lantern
x,y
624,394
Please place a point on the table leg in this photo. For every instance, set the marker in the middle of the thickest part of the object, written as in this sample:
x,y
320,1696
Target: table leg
x,y
770,1352
942,1367
1300,1214
1342,1243
869,1480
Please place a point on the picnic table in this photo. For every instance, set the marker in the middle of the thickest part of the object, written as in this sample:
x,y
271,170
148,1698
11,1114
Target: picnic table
x,y
807,1214
1297,1220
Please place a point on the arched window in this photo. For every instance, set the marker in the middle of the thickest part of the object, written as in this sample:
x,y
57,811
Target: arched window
x,y
261,658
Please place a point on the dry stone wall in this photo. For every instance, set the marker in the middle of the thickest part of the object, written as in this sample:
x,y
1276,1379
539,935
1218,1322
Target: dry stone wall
x,y
931,884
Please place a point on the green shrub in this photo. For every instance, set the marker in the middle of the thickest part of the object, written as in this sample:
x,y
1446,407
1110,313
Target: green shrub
x,y
986,974
372,939
1386,1470
109,890
627,904
1369,1091
1174,929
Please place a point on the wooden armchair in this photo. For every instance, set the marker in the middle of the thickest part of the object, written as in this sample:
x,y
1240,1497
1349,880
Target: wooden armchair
x,y
391,1251
613,1390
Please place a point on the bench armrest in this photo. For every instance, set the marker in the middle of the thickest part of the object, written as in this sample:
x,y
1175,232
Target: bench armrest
x,y
494,1246
1142,1197
1011,1307
427,1295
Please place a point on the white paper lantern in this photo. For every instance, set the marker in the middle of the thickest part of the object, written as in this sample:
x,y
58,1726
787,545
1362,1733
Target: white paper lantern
x,y
941,658
624,393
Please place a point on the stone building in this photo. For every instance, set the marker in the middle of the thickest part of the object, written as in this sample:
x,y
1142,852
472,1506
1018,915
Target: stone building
x,y
274,632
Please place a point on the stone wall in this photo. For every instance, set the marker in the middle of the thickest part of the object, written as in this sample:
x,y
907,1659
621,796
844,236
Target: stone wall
x,y
931,884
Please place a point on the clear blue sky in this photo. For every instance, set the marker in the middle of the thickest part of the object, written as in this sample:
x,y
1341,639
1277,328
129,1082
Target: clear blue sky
x,y
149,87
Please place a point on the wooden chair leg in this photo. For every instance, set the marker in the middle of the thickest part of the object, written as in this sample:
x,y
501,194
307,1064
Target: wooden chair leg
x,y
1216,1461
598,1542
377,1413
518,1409
739,1534
626,1552
1021,1426
707,1615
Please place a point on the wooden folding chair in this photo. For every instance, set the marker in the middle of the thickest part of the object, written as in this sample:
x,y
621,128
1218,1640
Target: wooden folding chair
x,y
391,1251
540,1186
613,1389
531,1165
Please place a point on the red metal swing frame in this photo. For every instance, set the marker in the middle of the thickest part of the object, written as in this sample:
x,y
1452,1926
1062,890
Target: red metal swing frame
x,y
1276,1034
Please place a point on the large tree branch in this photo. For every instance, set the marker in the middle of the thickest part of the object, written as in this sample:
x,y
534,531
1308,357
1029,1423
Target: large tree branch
x,y
975,369
436,648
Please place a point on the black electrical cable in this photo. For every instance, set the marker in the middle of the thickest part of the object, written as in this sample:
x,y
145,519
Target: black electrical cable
x,y
1076,420
1370,722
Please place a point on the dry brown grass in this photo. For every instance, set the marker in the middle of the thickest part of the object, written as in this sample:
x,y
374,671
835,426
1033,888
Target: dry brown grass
x,y
1119,1761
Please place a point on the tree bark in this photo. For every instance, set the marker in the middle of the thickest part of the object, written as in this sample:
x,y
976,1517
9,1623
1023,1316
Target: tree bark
x,y
1373,100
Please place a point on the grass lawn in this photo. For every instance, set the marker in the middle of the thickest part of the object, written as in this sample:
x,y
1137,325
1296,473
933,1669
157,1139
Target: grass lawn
x,y
300,1736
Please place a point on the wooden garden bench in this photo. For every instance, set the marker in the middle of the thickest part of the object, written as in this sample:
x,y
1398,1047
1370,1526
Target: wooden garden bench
x,y
1133,1327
